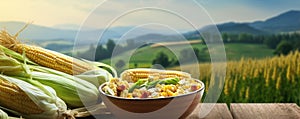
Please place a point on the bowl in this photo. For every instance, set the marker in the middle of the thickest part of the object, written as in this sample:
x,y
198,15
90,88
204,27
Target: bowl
x,y
151,108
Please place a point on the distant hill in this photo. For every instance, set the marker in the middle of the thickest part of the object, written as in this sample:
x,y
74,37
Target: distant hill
x,y
39,33
237,28
36,32
285,22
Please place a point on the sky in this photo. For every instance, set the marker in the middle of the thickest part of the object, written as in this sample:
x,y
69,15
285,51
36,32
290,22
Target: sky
x,y
174,13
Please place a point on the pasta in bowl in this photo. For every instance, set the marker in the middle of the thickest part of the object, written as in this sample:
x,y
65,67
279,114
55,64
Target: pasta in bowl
x,y
152,93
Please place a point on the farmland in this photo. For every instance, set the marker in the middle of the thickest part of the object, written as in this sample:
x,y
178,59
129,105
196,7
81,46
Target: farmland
x,y
254,74
144,56
275,79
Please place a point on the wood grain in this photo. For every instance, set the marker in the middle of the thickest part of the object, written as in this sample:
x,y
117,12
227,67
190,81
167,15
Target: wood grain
x,y
240,111
265,111
219,111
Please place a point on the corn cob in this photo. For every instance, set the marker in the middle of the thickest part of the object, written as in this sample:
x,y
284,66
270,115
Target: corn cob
x,y
26,100
132,75
14,97
72,90
45,57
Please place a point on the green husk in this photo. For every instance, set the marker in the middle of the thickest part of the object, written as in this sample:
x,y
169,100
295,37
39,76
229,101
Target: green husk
x,y
15,55
72,92
3,115
103,66
13,67
96,77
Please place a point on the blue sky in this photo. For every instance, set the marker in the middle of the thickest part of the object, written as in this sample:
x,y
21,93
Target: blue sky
x,y
72,13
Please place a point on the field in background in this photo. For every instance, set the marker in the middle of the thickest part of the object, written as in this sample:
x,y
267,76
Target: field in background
x,y
270,80
254,74
144,56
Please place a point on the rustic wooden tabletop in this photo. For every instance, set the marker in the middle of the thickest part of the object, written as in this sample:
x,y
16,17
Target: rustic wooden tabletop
x,y
242,111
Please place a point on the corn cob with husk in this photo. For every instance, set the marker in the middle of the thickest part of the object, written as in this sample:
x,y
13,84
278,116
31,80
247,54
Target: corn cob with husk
x,y
78,93
75,92
43,56
132,75
26,100
96,77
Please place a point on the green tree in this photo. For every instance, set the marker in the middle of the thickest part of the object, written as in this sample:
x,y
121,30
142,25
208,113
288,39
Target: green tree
x,y
186,55
162,59
273,41
110,46
101,53
225,37
284,48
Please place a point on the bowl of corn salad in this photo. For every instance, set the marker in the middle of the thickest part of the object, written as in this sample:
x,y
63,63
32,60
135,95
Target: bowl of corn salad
x,y
148,93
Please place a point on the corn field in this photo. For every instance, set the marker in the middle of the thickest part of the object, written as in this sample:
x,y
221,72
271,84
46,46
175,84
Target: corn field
x,y
270,80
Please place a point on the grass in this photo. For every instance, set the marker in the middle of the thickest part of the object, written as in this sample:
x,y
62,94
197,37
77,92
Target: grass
x,y
143,57
235,51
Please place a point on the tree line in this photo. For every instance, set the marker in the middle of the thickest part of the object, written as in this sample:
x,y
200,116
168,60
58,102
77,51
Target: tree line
x,y
282,43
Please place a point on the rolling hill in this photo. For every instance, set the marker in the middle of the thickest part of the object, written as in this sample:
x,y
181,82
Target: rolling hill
x,y
285,22
39,33
237,28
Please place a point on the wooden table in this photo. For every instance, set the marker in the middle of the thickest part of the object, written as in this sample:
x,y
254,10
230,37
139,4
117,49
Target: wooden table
x,y
242,111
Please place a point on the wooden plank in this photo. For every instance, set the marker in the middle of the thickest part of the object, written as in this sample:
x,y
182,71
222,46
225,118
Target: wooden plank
x,y
265,111
219,111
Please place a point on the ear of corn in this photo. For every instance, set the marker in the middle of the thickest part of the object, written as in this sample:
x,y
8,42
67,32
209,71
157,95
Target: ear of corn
x,y
132,75
24,99
95,77
45,57
75,92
